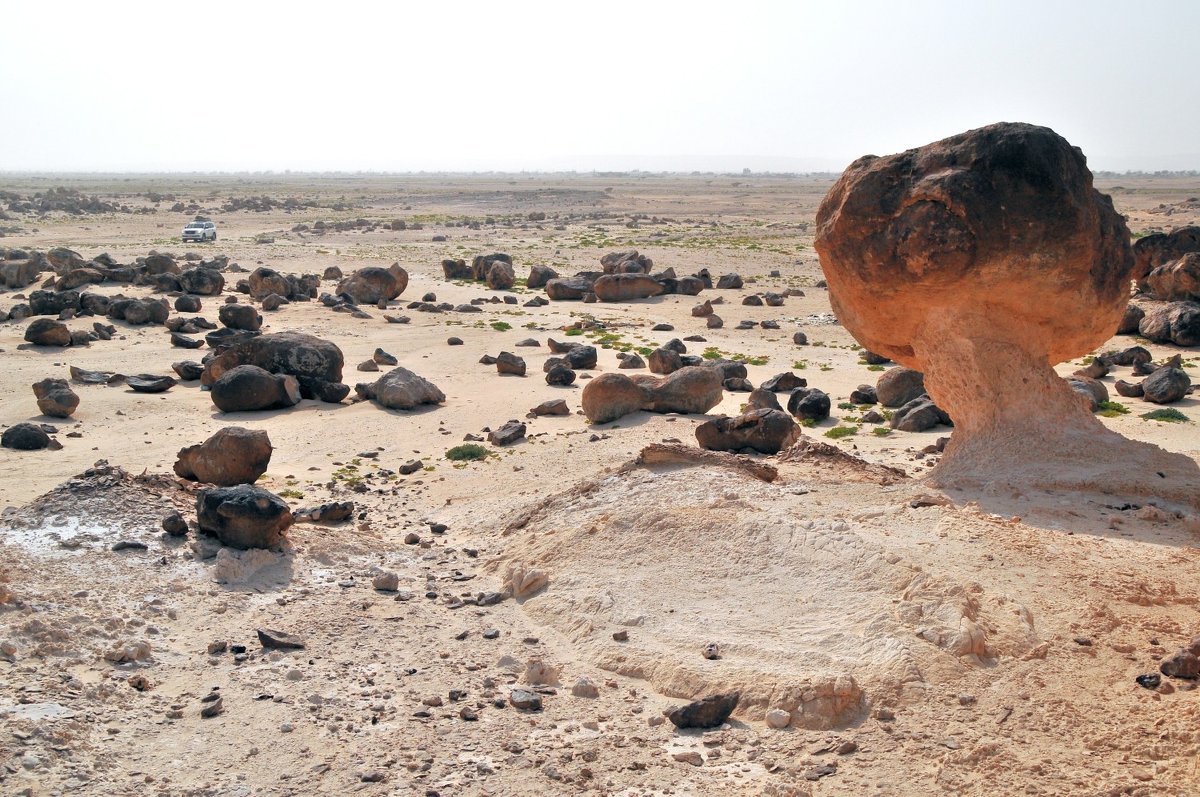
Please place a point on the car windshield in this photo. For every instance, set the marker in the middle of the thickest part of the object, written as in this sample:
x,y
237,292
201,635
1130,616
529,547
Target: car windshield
x,y
196,226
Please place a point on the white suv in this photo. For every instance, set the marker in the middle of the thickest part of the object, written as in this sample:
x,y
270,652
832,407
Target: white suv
x,y
200,231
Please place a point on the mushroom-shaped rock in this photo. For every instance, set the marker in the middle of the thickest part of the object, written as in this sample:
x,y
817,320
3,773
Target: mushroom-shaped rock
x,y
931,257
243,516
248,387
55,398
372,285
231,456
767,431
401,389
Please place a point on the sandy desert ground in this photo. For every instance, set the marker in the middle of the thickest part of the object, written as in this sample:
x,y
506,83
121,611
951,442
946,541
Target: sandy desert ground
x,y
922,642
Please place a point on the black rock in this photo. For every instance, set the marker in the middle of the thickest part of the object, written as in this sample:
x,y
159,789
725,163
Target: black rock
x,y
24,437
710,712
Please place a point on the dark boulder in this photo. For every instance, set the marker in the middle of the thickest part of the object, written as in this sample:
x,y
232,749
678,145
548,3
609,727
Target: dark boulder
x,y
1177,323
569,288
25,437
864,394
247,388
202,281
457,270
1166,385
784,382
539,276
264,281
767,431
624,287
809,403
188,304
898,386
243,516
240,316
709,712
918,415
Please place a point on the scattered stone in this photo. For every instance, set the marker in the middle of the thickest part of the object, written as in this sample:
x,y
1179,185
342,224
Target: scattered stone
x,y
809,403
898,386
509,363
1168,384
689,757
174,525
778,719
46,332
278,640
247,388
585,687
506,435
708,712
552,407
525,700
689,390
55,398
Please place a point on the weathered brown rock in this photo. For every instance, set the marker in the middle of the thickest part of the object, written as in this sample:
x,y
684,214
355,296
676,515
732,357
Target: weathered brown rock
x,y
1157,249
55,398
265,281
240,316
767,431
372,285
1167,384
688,390
624,287
45,332
982,260
243,516
897,386
539,276
231,456
202,281
500,276
1178,280
706,713
627,262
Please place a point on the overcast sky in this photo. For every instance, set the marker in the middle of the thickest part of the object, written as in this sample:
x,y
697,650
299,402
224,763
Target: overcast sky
x,y
516,85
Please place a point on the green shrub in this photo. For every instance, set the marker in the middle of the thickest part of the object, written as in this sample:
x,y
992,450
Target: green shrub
x,y
501,326
467,451
1167,415
1111,409
881,431
838,432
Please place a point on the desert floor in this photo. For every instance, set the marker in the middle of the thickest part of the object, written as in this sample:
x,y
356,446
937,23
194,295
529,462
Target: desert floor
x,y
955,644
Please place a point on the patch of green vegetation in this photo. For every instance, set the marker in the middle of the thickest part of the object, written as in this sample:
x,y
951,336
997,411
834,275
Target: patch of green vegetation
x,y
807,423
881,431
289,493
1111,409
875,368
838,432
573,332
645,351
846,405
1166,415
501,326
467,452
800,365
826,367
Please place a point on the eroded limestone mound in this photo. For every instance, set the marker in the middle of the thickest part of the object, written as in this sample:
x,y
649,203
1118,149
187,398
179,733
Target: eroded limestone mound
x,y
812,614
982,260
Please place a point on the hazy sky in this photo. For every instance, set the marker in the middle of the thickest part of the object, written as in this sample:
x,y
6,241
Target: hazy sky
x,y
253,85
